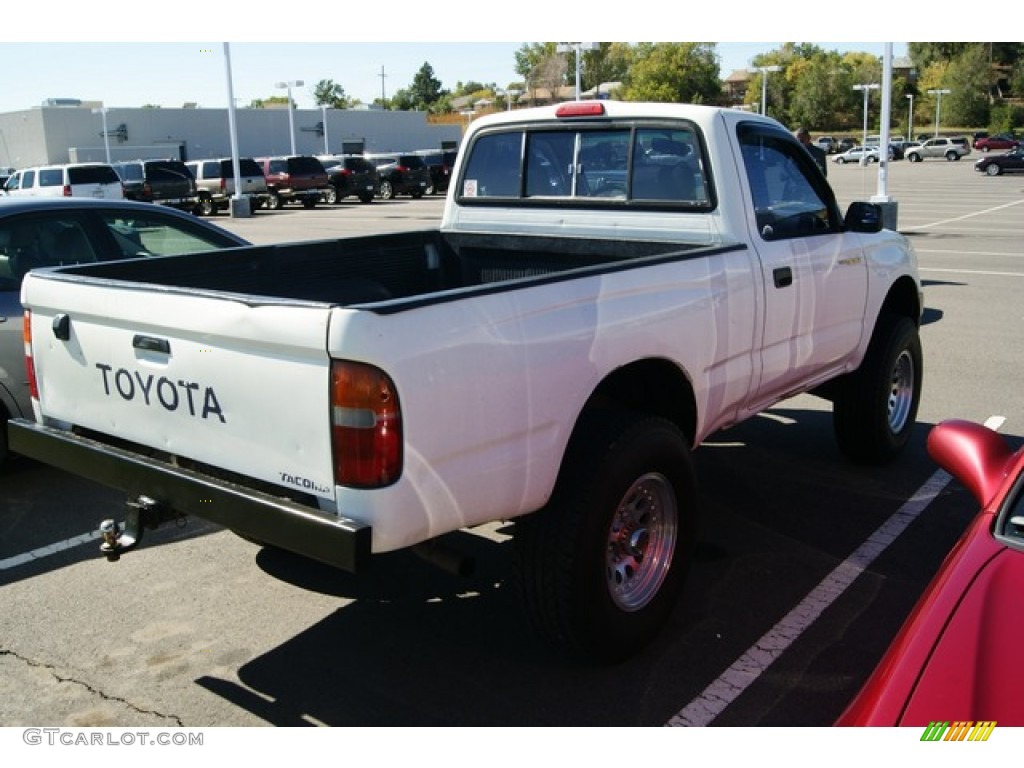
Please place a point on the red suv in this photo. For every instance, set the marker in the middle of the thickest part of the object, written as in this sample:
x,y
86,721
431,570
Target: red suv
x,y
296,178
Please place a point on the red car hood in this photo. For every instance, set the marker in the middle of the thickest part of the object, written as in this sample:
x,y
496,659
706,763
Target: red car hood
x,y
955,659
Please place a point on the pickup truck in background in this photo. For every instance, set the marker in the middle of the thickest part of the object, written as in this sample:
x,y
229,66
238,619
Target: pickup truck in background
x,y
611,283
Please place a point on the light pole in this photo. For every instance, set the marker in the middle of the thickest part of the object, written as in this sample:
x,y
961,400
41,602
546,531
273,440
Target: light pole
x,y
910,118
867,88
764,85
938,105
106,138
323,109
289,84
579,48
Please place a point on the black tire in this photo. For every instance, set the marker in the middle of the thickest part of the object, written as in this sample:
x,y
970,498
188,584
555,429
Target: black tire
x,y
951,156
599,569
274,202
876,406
206,206
914,158
993,170
331,196
386,190
841,160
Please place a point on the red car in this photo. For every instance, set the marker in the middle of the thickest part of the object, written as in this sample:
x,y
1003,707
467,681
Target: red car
x,y
957,657
1002,141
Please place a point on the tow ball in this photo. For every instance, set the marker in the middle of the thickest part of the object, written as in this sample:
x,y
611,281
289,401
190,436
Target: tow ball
x,y
142,513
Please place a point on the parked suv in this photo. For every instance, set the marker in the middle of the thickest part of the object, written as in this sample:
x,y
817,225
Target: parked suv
x,y
350,175
294,178
440,163
401,174
938,147
69,180
166,182
215,183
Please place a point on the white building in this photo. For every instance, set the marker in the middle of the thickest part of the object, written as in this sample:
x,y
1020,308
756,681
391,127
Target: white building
x,y
66,130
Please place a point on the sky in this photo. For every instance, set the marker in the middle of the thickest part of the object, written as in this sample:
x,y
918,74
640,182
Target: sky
x,y
68,62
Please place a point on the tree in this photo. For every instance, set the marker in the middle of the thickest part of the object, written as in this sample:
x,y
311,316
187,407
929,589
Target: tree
x,y
425,90
674,72
331,94
969,78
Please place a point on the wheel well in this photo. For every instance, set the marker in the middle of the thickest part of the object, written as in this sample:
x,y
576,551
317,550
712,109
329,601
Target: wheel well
x,y
650,386
903,299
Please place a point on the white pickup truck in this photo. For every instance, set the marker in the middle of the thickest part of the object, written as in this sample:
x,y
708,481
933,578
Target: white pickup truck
x,y
611,283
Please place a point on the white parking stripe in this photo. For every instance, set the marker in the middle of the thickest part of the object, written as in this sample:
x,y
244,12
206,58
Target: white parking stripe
x,y
50,549
965,216
746,670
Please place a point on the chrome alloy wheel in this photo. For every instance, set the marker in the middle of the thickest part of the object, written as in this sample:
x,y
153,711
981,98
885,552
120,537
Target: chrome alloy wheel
x,y
641,541
901,391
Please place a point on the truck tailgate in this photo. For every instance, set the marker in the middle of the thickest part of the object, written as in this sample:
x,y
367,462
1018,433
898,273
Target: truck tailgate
x,y
204,377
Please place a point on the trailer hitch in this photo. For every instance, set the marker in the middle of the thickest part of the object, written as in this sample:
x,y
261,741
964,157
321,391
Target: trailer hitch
x,y
142,513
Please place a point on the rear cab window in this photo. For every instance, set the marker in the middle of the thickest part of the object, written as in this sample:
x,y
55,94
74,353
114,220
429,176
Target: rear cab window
x,y
92,174
635,165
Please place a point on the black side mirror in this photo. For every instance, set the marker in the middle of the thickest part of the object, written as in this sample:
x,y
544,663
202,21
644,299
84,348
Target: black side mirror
x,y
863,217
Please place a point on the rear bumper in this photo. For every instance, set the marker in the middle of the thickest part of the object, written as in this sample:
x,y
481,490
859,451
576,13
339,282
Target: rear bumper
x,y
281,522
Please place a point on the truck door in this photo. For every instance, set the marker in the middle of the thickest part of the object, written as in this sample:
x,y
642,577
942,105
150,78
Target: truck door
x,y
815,274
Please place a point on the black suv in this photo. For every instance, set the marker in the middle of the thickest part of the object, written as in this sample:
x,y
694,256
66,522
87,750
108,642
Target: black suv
x,y
350,175
440,163
401,174
167,182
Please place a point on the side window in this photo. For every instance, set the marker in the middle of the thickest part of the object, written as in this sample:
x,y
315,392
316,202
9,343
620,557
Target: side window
x,y
493,168
143,235
28,180
32,241
13,183
785,199
51,177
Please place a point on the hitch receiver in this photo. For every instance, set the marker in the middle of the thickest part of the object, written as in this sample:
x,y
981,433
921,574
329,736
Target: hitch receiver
x,y
142,513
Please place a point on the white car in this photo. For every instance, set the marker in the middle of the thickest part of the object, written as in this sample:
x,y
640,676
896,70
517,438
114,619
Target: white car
x,y
98,180
858,155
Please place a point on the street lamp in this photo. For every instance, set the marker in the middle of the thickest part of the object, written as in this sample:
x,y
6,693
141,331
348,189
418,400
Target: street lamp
x,y
938,105
866,88
323,109
764,85
579,48
289,84
910,118
106,139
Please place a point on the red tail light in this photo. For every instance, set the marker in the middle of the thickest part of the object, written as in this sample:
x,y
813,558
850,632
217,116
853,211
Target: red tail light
x,y
366,426
30,367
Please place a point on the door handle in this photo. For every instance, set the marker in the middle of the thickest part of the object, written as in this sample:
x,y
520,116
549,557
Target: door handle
x,y
783,277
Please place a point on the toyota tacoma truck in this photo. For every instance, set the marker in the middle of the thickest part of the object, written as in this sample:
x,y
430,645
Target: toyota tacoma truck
x,y
610,284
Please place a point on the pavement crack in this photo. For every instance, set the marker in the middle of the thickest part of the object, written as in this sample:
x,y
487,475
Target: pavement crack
x,y
52,670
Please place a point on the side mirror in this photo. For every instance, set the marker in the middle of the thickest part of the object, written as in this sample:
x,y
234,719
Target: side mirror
x,y
863,217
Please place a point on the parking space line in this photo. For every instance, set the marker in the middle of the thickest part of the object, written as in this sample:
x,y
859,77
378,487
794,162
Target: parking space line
x,y
961,218
49,549
749,667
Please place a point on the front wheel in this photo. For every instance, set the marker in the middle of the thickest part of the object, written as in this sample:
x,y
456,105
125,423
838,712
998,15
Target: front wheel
x,y
331,196
951,156
876,406
914,158
599,568
993,170
386,190
274,202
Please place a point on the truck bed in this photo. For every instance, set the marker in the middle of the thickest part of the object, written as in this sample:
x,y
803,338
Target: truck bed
x,y
386,271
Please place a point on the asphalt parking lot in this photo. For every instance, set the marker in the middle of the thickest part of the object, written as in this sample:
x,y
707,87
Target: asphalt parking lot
x,y
791,601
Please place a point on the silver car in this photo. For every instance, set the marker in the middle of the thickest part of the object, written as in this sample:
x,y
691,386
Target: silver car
x,y
39,232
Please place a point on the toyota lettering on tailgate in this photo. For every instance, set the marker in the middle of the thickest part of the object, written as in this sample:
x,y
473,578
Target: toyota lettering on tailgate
x,y
172,395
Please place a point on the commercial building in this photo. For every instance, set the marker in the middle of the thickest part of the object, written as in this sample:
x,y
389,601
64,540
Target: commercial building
x,y
69,130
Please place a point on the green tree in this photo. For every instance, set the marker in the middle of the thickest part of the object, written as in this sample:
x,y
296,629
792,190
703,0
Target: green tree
x,y
425,90
969,77
331,94
674,72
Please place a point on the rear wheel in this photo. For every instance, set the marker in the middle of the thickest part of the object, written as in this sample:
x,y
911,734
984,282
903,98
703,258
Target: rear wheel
x,y
386,190
331,196
206,206
951,156
274,202
599,569
876,406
